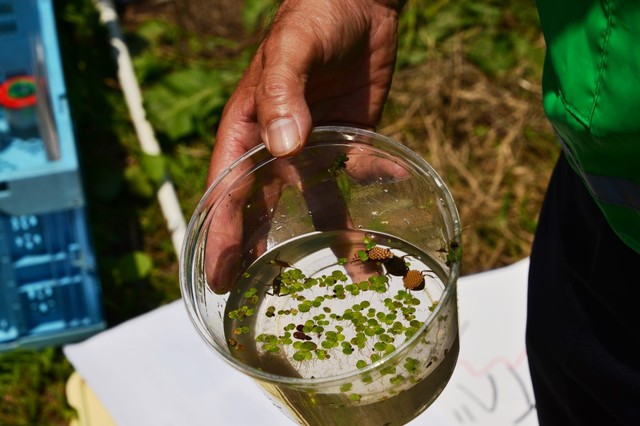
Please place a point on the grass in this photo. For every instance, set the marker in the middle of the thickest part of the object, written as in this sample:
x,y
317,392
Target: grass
x,y
466,96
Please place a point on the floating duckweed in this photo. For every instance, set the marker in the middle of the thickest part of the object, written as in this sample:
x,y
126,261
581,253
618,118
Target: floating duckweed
x,y
360,341
271,347
379,346
241,313
363,285
295,288
367,379
308,346
347,349
411,365
408,312
391,369
346,387
304,307
319,332
242,330
322,354
329,344
293,275
270,338
386,338
378,282
309,283
396,380
246,275
410,332
355,397
300,355
401,295
360,321
339,275
370,331
433,306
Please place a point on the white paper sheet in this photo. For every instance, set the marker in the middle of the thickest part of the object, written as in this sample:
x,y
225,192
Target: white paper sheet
x,y
155,369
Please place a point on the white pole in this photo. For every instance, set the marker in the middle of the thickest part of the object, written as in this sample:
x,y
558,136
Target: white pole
x,y
166,194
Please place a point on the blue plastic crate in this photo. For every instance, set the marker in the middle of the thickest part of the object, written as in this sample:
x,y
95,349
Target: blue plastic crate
x,y
51,293
30,164
49,287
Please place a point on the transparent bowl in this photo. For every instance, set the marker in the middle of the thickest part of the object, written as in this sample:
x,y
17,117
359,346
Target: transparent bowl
x,y
296,272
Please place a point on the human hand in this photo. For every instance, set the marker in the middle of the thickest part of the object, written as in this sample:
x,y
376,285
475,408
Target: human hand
x,y
322,62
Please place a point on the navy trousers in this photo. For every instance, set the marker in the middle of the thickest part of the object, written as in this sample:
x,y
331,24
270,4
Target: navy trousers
x,y
583,323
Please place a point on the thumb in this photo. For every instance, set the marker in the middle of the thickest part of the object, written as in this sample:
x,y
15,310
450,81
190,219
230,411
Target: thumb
x,y
282,110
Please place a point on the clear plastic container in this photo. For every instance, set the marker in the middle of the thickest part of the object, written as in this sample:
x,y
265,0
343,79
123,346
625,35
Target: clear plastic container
x,y
282,278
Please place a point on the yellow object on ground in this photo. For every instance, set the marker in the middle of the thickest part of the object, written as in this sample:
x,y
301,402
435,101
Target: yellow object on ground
x,y
90,411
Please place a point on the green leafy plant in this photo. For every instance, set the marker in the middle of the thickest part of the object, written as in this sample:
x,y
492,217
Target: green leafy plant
x,y
186,102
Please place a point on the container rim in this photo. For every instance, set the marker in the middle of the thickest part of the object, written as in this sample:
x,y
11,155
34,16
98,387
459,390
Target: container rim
x,y
187,286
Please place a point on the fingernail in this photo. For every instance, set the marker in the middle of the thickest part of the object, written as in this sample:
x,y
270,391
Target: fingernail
x,y
283,136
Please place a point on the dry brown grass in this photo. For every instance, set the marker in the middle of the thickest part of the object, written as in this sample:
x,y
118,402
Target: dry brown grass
x,y
490,142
